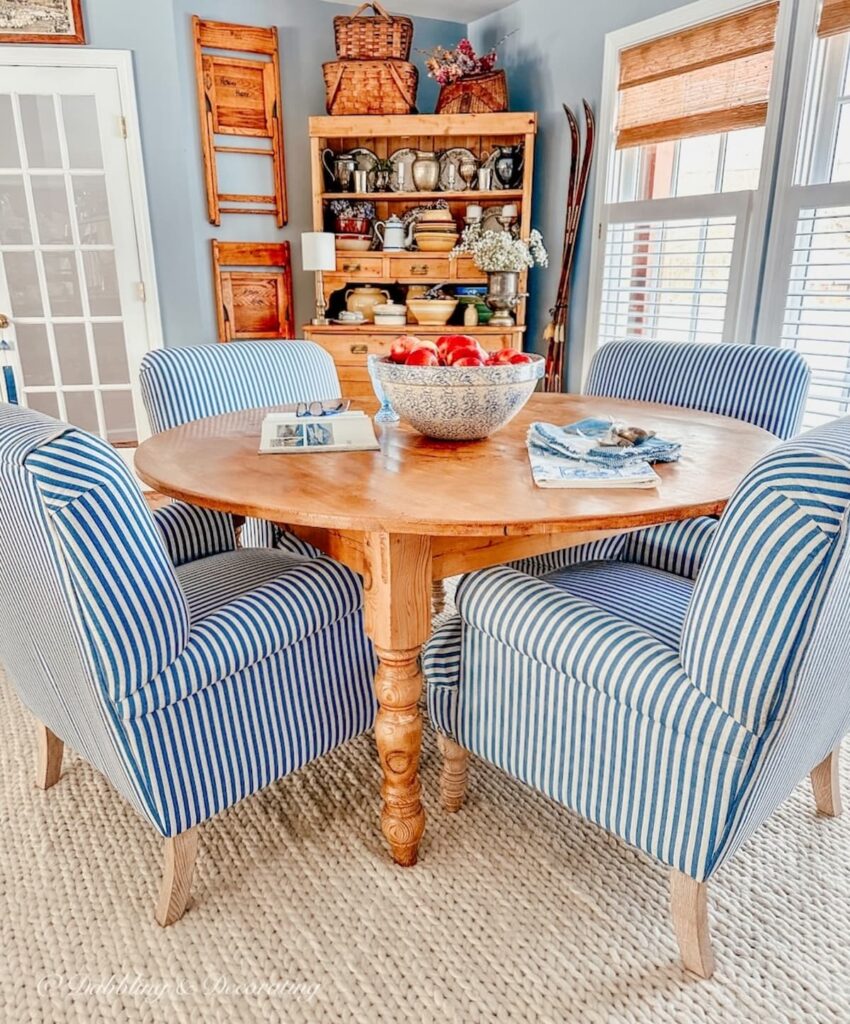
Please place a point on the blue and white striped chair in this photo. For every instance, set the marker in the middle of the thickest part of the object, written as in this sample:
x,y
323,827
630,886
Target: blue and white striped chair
x,y
192,382
759,384
189,673
681,721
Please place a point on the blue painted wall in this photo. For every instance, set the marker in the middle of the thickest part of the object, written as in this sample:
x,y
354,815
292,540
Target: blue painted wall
x,y
159,34
556,56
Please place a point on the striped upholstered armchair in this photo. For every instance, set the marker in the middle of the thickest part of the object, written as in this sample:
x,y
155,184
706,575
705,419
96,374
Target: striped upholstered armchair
x,y
188,673
195,381
682,718
756,383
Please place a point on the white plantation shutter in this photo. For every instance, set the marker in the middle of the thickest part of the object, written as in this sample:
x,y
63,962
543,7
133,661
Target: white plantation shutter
x,y
672,267
816,317
806,302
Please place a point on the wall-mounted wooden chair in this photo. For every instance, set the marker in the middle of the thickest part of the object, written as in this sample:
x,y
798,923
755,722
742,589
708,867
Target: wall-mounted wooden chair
x,y
675,713
189,673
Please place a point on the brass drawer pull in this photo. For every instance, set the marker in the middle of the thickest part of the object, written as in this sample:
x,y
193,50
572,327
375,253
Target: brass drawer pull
x,y
352,268
360,350
419,268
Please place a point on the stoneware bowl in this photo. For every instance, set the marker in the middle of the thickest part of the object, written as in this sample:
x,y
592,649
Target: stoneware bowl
x,y
431,312
433,241
465,403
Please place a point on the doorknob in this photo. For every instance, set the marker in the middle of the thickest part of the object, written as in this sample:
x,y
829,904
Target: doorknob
x,y
4,321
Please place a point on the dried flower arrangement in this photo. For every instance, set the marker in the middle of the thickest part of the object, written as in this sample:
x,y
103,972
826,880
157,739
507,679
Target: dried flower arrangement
x,y
350,209
499,251
447,66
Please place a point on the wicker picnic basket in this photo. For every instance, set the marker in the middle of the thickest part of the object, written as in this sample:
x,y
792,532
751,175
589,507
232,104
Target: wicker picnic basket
x,y
370,87
478,94
383,35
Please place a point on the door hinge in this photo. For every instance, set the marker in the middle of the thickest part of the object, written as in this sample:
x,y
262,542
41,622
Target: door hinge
x,y
122,124
143,294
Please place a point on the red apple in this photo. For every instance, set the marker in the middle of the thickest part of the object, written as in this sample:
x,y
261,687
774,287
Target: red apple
x,y
448,342
403,346
520,357
470,352
422,356
501,358
472,360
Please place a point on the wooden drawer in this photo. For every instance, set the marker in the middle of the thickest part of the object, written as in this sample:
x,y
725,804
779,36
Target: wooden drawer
x,y
465,270
356,265
421,268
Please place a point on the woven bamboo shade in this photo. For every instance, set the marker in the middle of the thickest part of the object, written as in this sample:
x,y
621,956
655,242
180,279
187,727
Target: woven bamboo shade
x,y
834,18
711,78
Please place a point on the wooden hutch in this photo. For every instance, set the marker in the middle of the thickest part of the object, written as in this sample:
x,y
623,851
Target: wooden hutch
x,y
481,133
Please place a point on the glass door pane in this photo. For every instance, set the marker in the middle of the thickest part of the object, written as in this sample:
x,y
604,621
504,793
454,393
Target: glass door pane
x,y
69,261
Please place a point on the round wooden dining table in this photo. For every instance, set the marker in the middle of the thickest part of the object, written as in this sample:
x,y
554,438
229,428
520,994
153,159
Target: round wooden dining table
x,y
420,510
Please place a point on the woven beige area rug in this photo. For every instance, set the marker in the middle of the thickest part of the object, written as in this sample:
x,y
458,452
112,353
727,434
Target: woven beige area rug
x,y
517,911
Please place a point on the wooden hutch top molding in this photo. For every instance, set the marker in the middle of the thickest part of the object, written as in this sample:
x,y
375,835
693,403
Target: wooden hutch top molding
x,y
400,125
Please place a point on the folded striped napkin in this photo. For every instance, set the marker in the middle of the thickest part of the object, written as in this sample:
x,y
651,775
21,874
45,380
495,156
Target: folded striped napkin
x,y
581,442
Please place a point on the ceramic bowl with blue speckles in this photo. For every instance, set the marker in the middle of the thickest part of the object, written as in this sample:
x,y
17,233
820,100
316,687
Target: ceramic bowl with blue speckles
x,y
459,403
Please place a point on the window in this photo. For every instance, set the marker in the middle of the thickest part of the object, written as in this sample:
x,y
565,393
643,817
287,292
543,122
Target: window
x,y
692,106
807,307
714,224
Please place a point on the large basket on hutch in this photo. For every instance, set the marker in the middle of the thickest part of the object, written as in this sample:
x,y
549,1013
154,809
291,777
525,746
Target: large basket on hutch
x,y
370,87
383,35
478,94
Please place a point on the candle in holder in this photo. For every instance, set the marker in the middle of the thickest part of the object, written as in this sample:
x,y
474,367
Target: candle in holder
x,y
510,210
474,212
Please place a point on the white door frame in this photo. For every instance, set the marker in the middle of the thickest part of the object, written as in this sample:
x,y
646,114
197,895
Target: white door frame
x,y
120,61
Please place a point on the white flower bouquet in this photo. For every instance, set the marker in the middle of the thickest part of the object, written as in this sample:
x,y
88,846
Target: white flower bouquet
x,y
499,251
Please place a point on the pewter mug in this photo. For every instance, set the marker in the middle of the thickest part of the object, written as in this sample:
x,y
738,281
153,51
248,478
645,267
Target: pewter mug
x,y
340,168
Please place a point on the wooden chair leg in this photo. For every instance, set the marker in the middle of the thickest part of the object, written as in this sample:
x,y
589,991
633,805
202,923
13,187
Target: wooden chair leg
x,y
48,758
180,853
438,597
826,786
689,904
453,775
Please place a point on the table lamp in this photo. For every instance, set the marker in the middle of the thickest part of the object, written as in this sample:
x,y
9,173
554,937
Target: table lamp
x,y
318,254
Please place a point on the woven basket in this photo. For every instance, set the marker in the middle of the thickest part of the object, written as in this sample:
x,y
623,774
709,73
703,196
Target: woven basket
x,y
381,36
480,94
370,86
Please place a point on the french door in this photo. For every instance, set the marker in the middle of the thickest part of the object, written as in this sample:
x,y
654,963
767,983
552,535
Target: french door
x,y
72,289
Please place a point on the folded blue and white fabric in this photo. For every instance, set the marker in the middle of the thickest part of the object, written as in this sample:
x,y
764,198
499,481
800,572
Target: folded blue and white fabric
x,y
582,442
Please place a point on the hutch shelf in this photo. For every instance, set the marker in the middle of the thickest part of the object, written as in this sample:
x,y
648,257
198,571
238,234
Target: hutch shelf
x,y
383,135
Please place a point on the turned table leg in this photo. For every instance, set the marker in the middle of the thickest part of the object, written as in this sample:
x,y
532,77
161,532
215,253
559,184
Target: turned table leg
x,y
398,619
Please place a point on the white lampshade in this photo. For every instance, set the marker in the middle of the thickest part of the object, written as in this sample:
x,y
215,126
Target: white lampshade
x,y
318,250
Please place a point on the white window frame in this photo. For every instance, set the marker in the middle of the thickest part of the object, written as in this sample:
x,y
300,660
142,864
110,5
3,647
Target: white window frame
x,y
743,296
791,197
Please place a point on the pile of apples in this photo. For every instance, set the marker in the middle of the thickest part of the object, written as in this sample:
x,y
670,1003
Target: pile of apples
x,y
450,350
